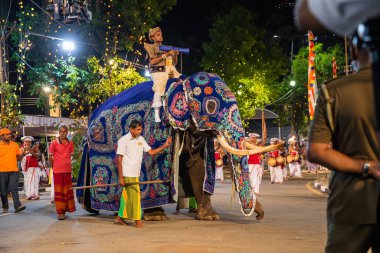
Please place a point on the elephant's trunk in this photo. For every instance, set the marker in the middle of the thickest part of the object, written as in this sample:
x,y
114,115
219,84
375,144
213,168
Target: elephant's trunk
x,y
252,149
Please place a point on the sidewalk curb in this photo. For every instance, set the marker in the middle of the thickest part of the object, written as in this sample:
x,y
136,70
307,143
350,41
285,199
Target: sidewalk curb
x,y
323,188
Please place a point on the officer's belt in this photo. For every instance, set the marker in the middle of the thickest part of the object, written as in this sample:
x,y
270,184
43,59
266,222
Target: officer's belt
x,y
154,69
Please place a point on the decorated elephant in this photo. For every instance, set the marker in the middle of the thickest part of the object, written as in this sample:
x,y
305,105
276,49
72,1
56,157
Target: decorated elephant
x,y
196,110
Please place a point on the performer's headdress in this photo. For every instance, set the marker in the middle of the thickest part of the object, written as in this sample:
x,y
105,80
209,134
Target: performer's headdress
x,y
253,135
274,140
27,138
292,139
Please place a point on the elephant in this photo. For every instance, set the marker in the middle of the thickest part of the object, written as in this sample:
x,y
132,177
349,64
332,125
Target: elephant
x,y
195,110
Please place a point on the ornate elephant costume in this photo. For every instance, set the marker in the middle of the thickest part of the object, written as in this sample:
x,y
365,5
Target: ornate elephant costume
x,y
201,108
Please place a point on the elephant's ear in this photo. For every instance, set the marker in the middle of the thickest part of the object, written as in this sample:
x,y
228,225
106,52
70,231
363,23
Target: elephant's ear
x,y
176,106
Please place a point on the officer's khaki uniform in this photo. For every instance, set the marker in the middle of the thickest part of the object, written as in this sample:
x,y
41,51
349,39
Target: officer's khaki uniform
x,y
353,204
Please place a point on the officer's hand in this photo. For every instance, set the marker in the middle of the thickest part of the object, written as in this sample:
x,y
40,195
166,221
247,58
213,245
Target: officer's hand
x,y
171,53
374,170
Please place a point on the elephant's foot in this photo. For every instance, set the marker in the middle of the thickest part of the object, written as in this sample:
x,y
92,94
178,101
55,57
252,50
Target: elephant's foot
x,y
259,211
207,214
155,214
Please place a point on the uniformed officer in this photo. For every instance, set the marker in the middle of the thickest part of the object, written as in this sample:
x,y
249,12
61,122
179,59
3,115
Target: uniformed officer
x,y
345,117
161,67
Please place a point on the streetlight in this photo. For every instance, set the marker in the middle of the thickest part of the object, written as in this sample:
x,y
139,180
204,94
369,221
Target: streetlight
x,y
292,83
68,45
46,89
147,73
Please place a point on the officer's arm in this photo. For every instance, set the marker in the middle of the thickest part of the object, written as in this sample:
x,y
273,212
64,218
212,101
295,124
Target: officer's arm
x,y
321,153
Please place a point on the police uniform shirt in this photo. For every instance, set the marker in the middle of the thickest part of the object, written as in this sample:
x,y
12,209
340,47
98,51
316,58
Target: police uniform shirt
x,y
353,199
153,52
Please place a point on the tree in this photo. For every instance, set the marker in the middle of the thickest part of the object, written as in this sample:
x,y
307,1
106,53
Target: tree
x,y
299,101
10,116
238,54
78,90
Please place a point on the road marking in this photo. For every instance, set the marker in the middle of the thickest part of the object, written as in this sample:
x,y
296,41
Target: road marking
x,y
5,214
310,187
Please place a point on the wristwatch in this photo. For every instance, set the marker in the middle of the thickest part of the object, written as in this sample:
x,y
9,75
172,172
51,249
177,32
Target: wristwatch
x,y
365,169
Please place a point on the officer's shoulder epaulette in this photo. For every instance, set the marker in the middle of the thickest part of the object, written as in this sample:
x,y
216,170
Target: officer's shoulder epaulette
x,y
333,80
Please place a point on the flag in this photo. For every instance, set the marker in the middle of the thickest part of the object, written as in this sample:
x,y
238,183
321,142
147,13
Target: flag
x,y
263,127
334,67
312,79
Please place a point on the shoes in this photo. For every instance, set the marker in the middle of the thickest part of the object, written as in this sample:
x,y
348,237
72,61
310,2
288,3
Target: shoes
x,y
20,208
36,198
61,217
5,210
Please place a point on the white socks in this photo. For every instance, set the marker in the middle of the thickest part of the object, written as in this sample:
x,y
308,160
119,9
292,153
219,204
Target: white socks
x,y
157,114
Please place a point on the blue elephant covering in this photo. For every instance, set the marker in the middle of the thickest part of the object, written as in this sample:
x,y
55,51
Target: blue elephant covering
x,y
205,99
110,122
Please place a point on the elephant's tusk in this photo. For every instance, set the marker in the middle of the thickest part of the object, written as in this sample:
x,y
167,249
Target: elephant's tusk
x,y
253,149
264,149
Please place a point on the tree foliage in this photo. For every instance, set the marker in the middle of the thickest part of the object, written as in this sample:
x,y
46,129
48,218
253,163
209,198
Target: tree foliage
x,y
79,89
297,103
12,116
250,67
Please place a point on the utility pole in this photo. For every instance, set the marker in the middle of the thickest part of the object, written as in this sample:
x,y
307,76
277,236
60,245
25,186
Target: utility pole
x,y
4,35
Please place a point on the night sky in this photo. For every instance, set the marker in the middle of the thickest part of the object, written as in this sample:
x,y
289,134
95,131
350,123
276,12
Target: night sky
x,y
188,23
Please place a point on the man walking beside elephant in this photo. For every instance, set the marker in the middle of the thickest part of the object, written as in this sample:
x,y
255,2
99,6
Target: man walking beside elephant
x,y
129,152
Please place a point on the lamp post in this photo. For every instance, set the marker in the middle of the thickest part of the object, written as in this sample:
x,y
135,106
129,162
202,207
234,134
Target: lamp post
x,y
292,84
47,91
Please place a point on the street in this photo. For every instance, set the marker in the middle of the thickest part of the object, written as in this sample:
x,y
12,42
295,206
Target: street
x,y
295,221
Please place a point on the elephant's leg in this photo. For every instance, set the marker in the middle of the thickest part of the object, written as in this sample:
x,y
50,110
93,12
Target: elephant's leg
x,y
155,214
197,174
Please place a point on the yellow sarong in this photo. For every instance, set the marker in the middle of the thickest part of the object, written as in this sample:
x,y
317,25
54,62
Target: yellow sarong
x,y
130,200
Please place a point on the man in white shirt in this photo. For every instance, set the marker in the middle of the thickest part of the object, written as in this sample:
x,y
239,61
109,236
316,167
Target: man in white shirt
x,y
129,158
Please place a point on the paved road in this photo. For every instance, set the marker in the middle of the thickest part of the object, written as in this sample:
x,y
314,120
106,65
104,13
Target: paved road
x,y
294,222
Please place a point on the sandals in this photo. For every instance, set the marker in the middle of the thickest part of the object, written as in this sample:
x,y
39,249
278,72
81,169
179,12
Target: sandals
x,y
61,217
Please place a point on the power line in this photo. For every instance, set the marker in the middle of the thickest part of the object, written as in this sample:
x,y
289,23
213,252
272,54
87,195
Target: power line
x,y
286,94
23,60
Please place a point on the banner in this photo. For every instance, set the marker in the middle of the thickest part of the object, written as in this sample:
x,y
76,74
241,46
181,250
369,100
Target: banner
x,y
312,79
335,75
263,127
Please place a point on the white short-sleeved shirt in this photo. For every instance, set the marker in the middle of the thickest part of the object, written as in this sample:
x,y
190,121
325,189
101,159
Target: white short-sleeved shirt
x,y
132,152
343,16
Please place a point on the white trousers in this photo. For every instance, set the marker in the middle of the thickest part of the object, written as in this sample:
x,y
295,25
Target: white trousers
x,y
276,174
159,83
31,182
219,173
285,171
295,169
255,175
